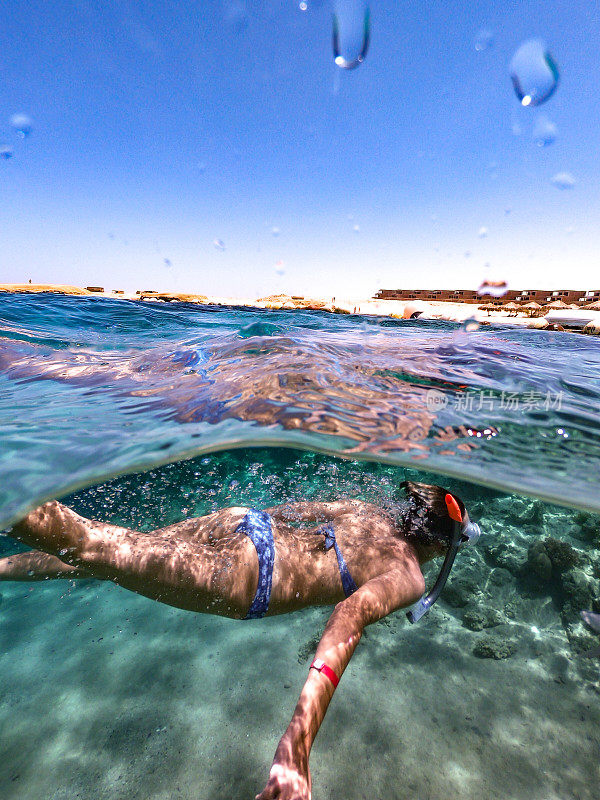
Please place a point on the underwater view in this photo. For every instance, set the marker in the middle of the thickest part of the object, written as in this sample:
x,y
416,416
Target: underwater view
x,y
143,415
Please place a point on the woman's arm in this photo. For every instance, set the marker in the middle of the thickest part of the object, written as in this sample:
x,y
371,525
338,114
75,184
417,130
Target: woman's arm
x,y
398,588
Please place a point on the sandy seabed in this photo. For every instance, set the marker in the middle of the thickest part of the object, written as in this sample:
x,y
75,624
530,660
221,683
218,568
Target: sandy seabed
x,y
104,694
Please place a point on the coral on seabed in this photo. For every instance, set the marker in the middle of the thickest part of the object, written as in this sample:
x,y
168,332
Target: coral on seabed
x,y
480,617
491,647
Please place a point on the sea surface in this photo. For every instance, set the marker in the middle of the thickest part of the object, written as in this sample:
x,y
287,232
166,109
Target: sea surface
x,y
144,414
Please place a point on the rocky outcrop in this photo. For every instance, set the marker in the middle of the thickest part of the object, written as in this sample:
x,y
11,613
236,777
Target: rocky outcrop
x,y
36,288
169,297
494,647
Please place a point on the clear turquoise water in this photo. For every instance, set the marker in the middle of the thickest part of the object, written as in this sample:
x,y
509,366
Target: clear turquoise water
x,y
104,693
91,388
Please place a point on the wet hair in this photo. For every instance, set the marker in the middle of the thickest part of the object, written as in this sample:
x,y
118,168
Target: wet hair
x,y
425,519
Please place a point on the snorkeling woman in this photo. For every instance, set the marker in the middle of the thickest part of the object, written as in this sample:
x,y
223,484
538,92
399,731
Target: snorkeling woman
x,y
245,564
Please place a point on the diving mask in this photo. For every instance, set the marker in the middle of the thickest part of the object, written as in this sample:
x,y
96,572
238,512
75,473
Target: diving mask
x,y
464,532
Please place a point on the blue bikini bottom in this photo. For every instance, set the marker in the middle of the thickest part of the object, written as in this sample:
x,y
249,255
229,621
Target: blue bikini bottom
x,y
257,526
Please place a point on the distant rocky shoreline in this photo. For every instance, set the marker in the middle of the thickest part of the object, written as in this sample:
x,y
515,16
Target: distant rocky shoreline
x,y
556,318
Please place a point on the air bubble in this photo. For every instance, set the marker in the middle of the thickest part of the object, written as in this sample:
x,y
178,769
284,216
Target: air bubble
x,y
563,180
482,232
534,73
484,40
351,32
544,131
6,152
275,231
22,124
219,244
303,6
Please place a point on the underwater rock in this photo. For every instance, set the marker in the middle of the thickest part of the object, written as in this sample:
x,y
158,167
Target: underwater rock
x,y
561,554
580,639
550,557
511,609
581,517
460,591
539,562
480,617
520,511
531,514
508,556
500,577
586,528
490,647
578,591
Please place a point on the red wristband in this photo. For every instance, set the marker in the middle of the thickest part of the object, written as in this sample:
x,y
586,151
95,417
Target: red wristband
x,y
321,666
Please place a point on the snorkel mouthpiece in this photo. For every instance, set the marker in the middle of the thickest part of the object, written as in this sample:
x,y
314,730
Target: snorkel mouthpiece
x,y
464,532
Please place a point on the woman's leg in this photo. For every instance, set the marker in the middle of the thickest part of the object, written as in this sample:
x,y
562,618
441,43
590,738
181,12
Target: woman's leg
x,y
37,566
168,566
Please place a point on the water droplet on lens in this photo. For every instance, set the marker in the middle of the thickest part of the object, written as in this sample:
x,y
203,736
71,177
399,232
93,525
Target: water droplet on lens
x,y
563,180
544,131
493,288
534,73
236,15
219,244
482,232
470,325
6,152
22,124
484,40
351,32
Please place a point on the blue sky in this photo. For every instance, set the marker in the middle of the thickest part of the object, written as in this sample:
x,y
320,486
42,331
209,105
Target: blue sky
x,y
160,127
